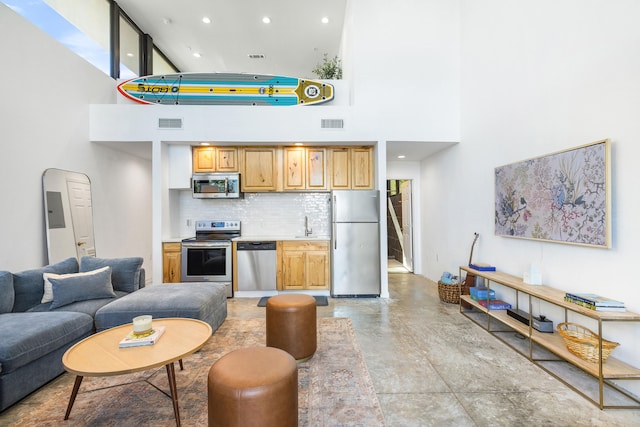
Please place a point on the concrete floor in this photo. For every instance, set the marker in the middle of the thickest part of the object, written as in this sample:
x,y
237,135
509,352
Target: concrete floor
x,y
431,366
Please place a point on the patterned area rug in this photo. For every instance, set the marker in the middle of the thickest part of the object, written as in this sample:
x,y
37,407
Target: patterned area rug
x,y
334,386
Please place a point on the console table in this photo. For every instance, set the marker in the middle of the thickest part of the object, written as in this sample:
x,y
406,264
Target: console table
x,y
527,297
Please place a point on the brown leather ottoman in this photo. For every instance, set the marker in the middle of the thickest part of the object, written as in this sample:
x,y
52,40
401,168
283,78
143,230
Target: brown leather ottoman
x,y
255,386
291,325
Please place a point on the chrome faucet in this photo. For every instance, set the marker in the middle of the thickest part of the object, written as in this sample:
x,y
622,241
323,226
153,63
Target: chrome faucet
x,y
307,230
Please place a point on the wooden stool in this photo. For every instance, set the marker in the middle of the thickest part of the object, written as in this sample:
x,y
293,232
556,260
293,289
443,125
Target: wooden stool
x,y
291,325
255,386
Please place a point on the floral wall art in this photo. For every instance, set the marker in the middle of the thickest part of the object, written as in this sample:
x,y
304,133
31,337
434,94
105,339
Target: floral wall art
x,y
561,197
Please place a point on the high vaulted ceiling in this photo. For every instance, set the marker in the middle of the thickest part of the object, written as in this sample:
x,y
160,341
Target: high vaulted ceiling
x,y
293,43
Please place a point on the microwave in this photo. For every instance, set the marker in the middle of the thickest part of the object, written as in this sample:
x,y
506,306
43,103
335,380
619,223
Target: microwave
x,y
216,186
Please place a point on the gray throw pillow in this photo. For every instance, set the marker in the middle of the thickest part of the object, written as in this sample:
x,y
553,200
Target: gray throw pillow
x,y
125,272
81,287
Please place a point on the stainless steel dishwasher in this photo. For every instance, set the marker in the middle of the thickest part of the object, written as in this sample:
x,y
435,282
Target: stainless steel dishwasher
x,y
256,266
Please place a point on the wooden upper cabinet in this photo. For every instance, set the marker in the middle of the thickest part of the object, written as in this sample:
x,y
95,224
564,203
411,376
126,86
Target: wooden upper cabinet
x,y
304,169
204,159
362,168
227,159
259,169
339,169
316,169
294,168
351,168
215,159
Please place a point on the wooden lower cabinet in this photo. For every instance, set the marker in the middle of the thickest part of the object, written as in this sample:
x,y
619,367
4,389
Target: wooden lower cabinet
x,y
171,262
303,265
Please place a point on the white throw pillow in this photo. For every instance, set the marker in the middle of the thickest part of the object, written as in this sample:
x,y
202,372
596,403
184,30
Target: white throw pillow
x,y
48,288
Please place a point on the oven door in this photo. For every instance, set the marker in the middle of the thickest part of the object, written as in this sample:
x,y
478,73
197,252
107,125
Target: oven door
x,y
206,262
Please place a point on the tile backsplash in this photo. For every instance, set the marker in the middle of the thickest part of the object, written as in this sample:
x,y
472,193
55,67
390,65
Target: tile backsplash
x,y
261,214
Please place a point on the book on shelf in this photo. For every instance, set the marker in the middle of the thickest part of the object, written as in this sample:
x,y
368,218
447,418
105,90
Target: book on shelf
x,y
594,299
478,293
136,340
593,306
495,304
481,266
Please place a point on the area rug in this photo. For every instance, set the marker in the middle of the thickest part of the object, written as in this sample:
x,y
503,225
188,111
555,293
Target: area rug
x,y
321,301
334,386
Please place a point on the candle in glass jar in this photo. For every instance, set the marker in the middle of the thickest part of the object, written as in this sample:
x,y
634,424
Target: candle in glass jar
x,y
142,323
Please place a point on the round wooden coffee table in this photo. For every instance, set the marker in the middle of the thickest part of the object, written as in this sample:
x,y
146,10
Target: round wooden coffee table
x,y
100,356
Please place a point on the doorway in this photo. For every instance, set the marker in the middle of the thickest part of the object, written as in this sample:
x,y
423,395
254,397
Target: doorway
x,y
399,226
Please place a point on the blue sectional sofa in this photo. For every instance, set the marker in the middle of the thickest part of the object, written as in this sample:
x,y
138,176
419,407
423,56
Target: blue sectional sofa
x,y
39,321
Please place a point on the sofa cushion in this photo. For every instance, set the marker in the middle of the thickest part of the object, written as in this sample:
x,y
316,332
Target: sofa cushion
x,y
68,288
7,295
25,337
125,272
29,284
204,301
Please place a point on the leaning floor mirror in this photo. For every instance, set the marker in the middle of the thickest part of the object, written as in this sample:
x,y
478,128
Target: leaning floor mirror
x,y
68,215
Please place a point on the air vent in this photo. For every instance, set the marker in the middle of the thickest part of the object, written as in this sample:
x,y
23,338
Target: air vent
x,y
332,123
256,56
170,123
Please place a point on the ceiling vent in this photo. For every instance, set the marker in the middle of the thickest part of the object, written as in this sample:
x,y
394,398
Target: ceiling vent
x,y
331,123
170,123
256,56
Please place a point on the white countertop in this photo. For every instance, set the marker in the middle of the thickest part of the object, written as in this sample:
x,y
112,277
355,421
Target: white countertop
x,y
279,237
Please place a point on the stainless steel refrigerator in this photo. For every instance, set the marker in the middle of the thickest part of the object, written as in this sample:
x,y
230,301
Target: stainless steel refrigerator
x,y
355,243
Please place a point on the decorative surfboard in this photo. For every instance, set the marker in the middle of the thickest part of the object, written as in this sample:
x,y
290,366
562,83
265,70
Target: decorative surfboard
x,y
225,89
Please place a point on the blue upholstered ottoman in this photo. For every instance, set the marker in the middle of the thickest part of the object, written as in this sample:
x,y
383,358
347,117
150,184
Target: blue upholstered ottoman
x,y
203,301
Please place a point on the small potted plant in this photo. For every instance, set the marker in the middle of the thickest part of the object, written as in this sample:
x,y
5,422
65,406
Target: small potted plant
x,y
330,69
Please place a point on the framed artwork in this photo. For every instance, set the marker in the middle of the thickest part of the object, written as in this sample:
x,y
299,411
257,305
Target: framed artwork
x,y
563,197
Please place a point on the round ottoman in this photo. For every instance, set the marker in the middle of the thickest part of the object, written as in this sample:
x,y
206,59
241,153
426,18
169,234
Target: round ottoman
x,y
291,325
255,386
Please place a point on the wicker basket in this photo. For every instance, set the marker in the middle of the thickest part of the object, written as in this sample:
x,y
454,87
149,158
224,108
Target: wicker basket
x,y
585,343
449,293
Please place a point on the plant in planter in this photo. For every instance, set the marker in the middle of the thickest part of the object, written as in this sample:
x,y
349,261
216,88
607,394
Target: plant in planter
x,y
331,68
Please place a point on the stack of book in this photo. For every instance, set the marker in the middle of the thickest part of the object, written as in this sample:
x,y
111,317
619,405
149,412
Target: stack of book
x,y
594,302
136,340
481,266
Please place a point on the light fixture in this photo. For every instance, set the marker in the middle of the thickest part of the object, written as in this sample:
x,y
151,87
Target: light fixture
x,y
266,20
325,20
197,54
206,20
205,143
401,156
130,55
298,144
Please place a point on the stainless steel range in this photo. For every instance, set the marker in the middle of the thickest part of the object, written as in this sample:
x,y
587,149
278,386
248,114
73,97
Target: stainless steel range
x,y
207,256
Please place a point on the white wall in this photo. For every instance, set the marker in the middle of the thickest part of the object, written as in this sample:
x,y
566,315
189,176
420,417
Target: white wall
x,y
538,77
44,113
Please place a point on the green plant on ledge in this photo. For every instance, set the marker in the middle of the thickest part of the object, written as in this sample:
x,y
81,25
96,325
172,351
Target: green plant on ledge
x,y
331,68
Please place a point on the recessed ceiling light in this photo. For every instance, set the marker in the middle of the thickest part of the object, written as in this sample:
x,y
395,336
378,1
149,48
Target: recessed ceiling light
x,y
205,143
130,55
206,20
401,156
266,20
325,20
197,54
167,21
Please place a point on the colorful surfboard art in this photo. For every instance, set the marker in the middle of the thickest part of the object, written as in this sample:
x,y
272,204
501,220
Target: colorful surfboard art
x,y
225,89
